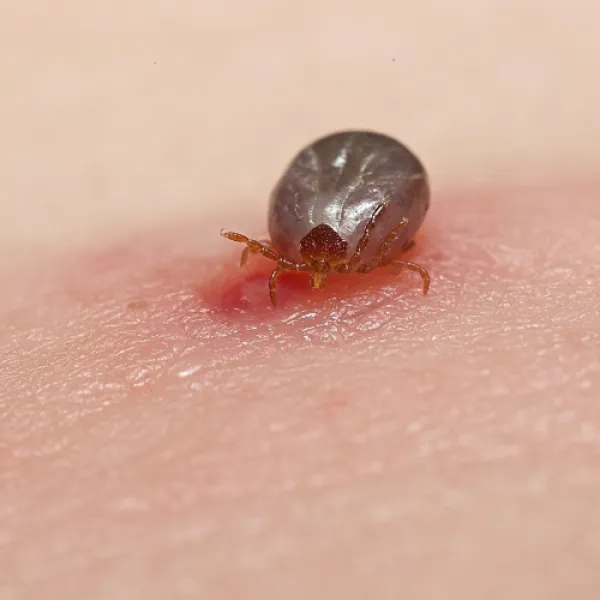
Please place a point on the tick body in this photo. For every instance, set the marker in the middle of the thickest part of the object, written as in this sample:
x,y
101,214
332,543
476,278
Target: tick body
x,y
347,203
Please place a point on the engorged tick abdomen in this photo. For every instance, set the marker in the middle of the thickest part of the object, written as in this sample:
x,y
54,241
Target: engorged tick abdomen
x,y
339,180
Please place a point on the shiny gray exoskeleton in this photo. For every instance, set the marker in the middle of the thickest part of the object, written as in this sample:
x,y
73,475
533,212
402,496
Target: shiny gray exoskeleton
x,y
349,202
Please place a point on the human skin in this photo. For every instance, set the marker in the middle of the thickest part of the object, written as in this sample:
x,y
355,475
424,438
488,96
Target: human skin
x,y
166,433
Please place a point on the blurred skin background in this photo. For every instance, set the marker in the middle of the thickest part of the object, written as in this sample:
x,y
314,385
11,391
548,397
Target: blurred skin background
x,y
165,434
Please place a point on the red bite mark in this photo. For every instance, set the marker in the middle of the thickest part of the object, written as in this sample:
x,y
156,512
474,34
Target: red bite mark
x,y
247,290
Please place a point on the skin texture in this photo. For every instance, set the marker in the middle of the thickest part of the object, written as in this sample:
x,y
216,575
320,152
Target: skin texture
x,y
165,433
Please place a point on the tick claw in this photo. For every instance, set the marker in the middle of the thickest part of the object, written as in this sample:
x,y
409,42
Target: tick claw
x,y
244,257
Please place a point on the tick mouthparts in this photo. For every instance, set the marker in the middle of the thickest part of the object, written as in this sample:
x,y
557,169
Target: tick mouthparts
x,y
318,280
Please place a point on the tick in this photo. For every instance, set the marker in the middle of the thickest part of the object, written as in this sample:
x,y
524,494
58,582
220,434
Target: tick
x,y
349,202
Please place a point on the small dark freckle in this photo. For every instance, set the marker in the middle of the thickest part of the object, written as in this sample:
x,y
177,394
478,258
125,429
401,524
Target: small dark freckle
x,y
137,305
393,60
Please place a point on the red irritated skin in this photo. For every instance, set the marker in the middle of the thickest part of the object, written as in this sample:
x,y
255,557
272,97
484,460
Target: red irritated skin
x,y
163,429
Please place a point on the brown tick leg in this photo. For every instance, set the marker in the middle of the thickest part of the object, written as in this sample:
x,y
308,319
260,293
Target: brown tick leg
x,y
283,265
382,253
408,246
247,250
387,260
362,243
273,284
251,246
417,269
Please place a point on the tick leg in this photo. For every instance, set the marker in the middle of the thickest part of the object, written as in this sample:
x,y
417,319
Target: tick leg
x,y
283,265
382,253
273,284
251,246
247,250
417,269
362,243
408,246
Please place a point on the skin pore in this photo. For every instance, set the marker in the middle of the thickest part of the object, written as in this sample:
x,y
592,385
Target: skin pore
x,y
166,433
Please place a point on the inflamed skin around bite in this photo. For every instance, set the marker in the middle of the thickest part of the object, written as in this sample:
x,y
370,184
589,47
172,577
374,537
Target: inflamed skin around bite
x,y
348,203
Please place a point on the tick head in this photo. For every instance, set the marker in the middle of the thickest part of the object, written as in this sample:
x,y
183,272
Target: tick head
x,y
323,245
321,248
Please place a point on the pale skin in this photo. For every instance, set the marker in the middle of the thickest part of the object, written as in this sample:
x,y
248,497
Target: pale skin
x,y
166,433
